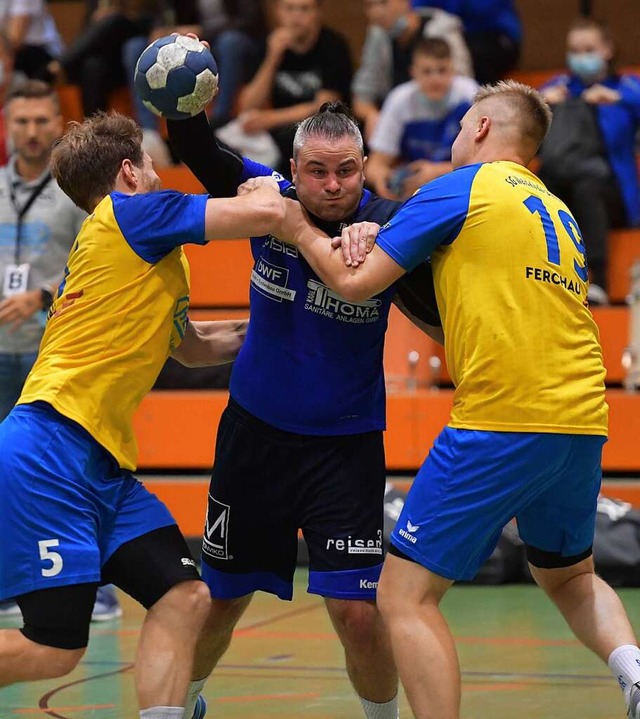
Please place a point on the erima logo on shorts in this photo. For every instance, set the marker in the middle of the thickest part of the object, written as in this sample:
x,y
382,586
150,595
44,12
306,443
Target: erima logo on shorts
x,y
368,584
407,533
216,530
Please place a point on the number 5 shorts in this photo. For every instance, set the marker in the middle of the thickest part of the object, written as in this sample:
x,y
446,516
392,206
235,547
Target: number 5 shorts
x,y
65,504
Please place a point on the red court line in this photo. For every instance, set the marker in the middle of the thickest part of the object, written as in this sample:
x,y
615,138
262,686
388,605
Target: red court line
x,y
80,707
528,641
249,633
44,700
499,687
263,697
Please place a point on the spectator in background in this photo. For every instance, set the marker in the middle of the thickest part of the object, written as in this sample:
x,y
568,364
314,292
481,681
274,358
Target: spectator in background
x,y
588,158
6,79
94,60
38,224
170,16
232,28
492,30
386,57
304,66
418,123
236,31
32,35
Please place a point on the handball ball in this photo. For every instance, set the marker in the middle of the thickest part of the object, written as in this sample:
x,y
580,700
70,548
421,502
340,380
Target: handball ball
x,y
176,77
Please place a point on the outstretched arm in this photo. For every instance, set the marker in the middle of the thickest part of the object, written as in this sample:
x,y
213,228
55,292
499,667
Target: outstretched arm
x,y
211,343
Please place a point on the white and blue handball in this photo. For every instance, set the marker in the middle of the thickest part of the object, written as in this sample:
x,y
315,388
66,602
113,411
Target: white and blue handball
x,y
176,77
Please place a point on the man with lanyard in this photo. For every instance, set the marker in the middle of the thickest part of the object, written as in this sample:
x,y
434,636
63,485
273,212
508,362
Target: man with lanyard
x,y
38,224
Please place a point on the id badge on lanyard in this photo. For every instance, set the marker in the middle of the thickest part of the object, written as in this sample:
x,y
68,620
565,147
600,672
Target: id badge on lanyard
x,y
15,281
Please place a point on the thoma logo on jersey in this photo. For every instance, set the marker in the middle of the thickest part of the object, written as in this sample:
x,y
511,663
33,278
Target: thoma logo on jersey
x,y
216,531
176,77
323,301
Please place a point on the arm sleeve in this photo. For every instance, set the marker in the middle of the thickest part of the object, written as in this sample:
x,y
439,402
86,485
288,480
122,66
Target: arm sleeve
x,y
251,168
434,216
155,223
217,166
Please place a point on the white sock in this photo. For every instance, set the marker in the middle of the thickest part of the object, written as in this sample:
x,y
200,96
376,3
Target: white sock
x,y
624,662
388,710
162,713
195,688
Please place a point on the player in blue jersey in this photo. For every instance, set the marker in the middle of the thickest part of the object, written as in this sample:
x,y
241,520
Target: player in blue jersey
x,y
529,415
300,443
72,515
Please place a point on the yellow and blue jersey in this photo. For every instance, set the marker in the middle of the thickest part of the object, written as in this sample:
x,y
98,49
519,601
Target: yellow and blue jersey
x,y
510,276
118,313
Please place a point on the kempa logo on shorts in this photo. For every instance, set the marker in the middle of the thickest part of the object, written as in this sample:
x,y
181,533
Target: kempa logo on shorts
x,y
216,530
357,546
408,532
368,584
323,301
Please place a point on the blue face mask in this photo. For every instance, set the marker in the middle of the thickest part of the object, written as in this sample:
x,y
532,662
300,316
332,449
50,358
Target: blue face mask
x,y
398,27
586,65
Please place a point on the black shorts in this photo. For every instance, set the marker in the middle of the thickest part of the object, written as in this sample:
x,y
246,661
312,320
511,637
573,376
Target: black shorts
x,y
267,484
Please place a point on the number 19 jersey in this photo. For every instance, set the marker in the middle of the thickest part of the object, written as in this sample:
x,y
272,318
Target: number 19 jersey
x,y
511,283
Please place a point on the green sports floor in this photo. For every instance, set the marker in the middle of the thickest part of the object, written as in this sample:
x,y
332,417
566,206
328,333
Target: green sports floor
x,y
518,660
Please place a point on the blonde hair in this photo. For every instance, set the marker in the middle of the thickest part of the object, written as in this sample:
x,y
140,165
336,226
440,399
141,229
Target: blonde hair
x,y
86,160
527,103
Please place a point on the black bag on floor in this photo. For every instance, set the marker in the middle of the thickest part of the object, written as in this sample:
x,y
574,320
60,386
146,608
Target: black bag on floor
x,y
616,548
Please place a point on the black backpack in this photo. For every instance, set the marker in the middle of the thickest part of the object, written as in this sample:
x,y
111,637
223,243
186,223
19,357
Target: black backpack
x,y
574,145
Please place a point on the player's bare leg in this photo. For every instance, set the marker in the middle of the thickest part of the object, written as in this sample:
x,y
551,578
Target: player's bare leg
x,y
592,609
165,655
22,660
368,655
214,641
424,651
598,619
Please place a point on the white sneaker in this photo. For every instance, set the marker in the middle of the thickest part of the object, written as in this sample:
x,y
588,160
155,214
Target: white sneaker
x,y
156,147
107,606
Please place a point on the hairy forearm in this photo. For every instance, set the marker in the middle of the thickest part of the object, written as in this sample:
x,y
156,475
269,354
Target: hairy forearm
x,y
211,343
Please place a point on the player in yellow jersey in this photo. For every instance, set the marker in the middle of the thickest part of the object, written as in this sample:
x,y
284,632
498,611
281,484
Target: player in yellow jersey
x,y
529,417
72,515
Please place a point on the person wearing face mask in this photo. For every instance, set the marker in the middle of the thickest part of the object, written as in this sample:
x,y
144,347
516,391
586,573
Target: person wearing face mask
x,y
394,29
418,123
591,165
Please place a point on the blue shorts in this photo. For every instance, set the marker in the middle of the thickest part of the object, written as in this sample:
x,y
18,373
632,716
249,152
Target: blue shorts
x,y
473,483
65,504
